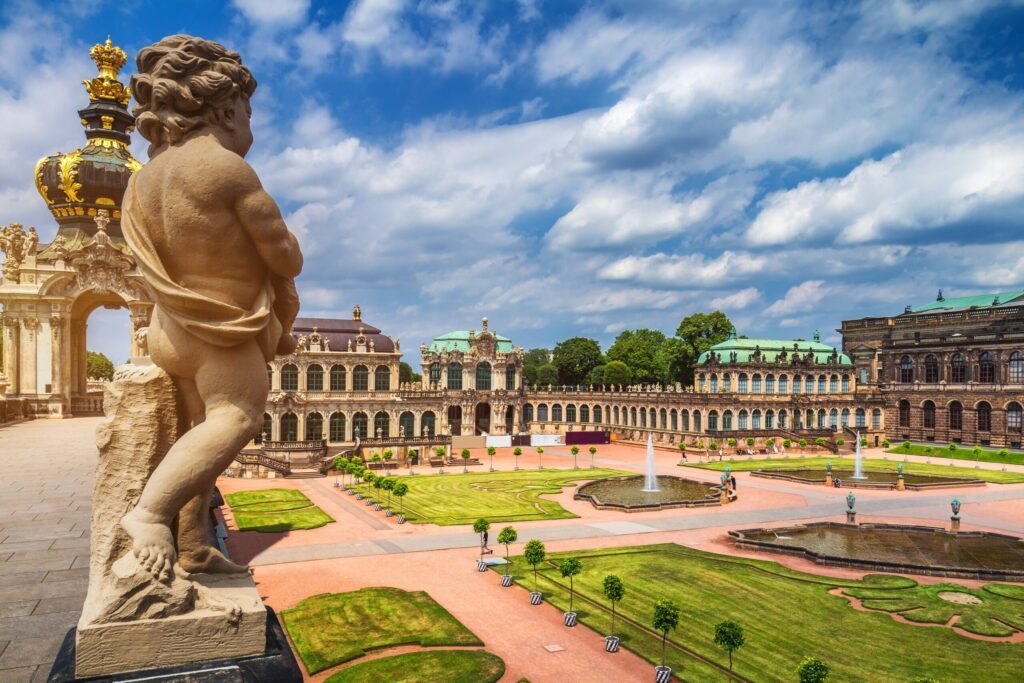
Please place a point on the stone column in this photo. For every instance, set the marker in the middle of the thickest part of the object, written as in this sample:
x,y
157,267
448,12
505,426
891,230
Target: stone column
x,y
58,352
140,315
29,334
12,338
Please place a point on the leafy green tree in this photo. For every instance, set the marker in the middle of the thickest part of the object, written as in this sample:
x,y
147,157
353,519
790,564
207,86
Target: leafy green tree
x,y
507,537
339,463
674,356
491,450
569,568
540,457
481,526
378,484
533,359
638,349
596,376
405,372
389,486
465,459
575,450
401,488
534,553
614,590
547,374
575,358
699,332
666,618
813,670
593,452
98,366
517,452
729,637
618,373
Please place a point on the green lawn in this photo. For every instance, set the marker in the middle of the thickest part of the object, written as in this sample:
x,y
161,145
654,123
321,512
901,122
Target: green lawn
x,y
275,510
786,615
511,496
744,465
332,628
450,666
961,453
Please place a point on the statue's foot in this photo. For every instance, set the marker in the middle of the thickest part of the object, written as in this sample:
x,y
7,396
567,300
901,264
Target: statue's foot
x,y
209,560
152,544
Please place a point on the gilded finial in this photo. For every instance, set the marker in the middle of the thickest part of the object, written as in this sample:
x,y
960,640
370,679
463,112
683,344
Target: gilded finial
x,y
109,59
357,314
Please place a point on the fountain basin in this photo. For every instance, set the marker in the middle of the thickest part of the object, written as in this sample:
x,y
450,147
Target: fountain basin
x,y
899,548
872,479
625,493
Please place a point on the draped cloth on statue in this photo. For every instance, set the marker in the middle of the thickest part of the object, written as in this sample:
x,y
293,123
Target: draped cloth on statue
x,y
211,320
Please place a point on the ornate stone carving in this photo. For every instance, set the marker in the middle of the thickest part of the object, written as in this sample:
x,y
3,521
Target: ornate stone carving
x,y
12,243
102,266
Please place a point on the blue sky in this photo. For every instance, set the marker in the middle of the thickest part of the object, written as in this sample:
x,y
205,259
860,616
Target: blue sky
x,y
586,167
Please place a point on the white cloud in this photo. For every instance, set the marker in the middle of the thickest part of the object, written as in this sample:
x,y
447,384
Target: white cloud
x,y
370,23
276,13
800,298
689,270
737,300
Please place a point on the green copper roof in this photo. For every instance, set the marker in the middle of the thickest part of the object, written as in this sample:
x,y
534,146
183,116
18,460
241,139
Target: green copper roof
x,y
975,301
458,340
770,350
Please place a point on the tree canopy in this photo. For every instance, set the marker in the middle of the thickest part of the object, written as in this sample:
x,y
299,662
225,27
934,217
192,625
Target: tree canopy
x,y
406,375
547,374
617,372
575,358
596,376
699,332
98,366
639,350
532,360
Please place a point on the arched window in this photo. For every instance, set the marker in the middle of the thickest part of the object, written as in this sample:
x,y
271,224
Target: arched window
x,y
510,377
757,384
743,383
743,419
714,383
483,376
904,413
527,412
727,420
406,425
336,427
1013,417
556,413
701,382
382,379
674,418
984,417
796,384
270,376
821,384
435,373
931,369
712,421
929,415
570,413
784,384
542,412
769,384
696,421
289,378
615,414
314,427
360,427
289,427
361,380
267,431
684,420
956,415
338,378
663,421
876,418
833,418
846,384
727,382
782,419
597,414
455,376
643,418
755,419
986,369
314,378
584,413
632,417
833,384
428,424
860,418
810,419
906,371
957,369
844,418
821,419
1016,368
381,425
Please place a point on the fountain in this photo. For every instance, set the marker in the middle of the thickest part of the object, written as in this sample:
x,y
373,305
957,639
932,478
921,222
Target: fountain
x,y
858,473
651,478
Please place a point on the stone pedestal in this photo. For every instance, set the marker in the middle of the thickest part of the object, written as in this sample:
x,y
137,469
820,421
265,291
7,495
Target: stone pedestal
x,y
725,495
828,480
900,485
851,517
954,523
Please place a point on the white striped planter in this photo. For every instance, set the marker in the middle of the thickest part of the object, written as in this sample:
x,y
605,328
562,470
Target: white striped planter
x,y
536,598
377,507
388,513
569,619
481,566
369,501
351,492
359,496
506,580
662,674
401,519
611,643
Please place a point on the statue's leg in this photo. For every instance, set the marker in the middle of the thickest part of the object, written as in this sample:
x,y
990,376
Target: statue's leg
x,y
196,554
232,386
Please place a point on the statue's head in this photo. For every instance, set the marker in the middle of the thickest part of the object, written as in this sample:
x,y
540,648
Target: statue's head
x,y
185,84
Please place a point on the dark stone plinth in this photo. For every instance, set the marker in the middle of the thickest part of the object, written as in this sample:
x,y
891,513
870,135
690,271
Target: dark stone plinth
x,y
277,663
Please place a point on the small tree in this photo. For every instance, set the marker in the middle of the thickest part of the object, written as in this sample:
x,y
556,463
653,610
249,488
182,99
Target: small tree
x,y
388,455
569,568
368,478
952,448
534,552
803,444
819,442
517,452
614,590
769,442
465,459
339,463
491,450
593,452
905,445
375,458
840,441
481,526
1003,453
885,443
976,451
666,618
731,442
507,537
401,488
750,441
410,455
729,637
786,443
540,462
575,450
378,484
389,486
813,670
863,442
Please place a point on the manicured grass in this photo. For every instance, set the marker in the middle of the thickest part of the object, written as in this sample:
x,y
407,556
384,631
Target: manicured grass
x,y
448,499
961,453
275,510
450,666
744,465
786,615
332,628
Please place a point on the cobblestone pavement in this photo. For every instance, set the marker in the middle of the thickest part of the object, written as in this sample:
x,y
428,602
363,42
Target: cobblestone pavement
x,y
44,539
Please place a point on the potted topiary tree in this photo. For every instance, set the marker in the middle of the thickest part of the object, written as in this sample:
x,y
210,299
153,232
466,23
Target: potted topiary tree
x,y
569,568
517,452
731,442
368,478
952,448
440,452
481,526
410,457
540,453
750,442
376,460
575,450
803,445
339,464
401,488
534,553
713,446
682,452
378,484
666,618
786,443
886,443
840,441
593,452
507,537
729,637
906,445
389,486
614,590
819,442
465,460
491,450
813,670
863,442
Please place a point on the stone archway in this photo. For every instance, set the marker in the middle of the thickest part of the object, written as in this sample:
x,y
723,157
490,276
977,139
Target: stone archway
x,y
482,419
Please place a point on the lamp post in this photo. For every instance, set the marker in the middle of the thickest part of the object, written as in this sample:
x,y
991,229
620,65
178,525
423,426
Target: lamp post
x,y
954,523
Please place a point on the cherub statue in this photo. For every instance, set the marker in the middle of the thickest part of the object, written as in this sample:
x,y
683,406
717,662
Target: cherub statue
x,y
220,264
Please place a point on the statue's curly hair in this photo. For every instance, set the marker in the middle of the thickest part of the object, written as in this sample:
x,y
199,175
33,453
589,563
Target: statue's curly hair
x,y
184,83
